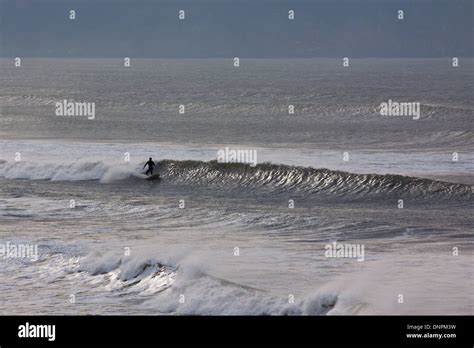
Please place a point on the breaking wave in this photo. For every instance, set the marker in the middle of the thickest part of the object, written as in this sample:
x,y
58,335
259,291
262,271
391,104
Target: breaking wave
x,y
267,177
177,283
184,288
74,171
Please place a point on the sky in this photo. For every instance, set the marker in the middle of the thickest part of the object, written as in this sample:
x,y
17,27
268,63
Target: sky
x,y
236,28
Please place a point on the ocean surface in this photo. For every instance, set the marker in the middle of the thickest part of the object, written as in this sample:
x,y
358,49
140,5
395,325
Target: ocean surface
x,y
222,238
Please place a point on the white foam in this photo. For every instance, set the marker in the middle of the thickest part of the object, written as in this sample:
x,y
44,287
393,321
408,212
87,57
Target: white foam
x,y
73,171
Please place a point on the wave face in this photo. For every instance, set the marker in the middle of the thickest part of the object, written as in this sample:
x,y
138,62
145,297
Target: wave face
x,y
286,178
266,177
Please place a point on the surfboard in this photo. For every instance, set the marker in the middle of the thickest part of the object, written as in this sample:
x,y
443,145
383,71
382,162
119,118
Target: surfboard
x,y
153,177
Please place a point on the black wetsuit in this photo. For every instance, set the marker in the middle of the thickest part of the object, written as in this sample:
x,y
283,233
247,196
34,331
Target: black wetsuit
x,y
150,165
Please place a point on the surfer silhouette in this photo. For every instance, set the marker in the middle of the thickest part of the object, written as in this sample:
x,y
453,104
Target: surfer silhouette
x,y
150,165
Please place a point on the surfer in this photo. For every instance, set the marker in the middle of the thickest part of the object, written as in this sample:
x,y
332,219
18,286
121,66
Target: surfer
x,y
150,165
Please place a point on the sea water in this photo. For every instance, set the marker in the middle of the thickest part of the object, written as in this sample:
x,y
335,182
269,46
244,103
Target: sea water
x,y
230,238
